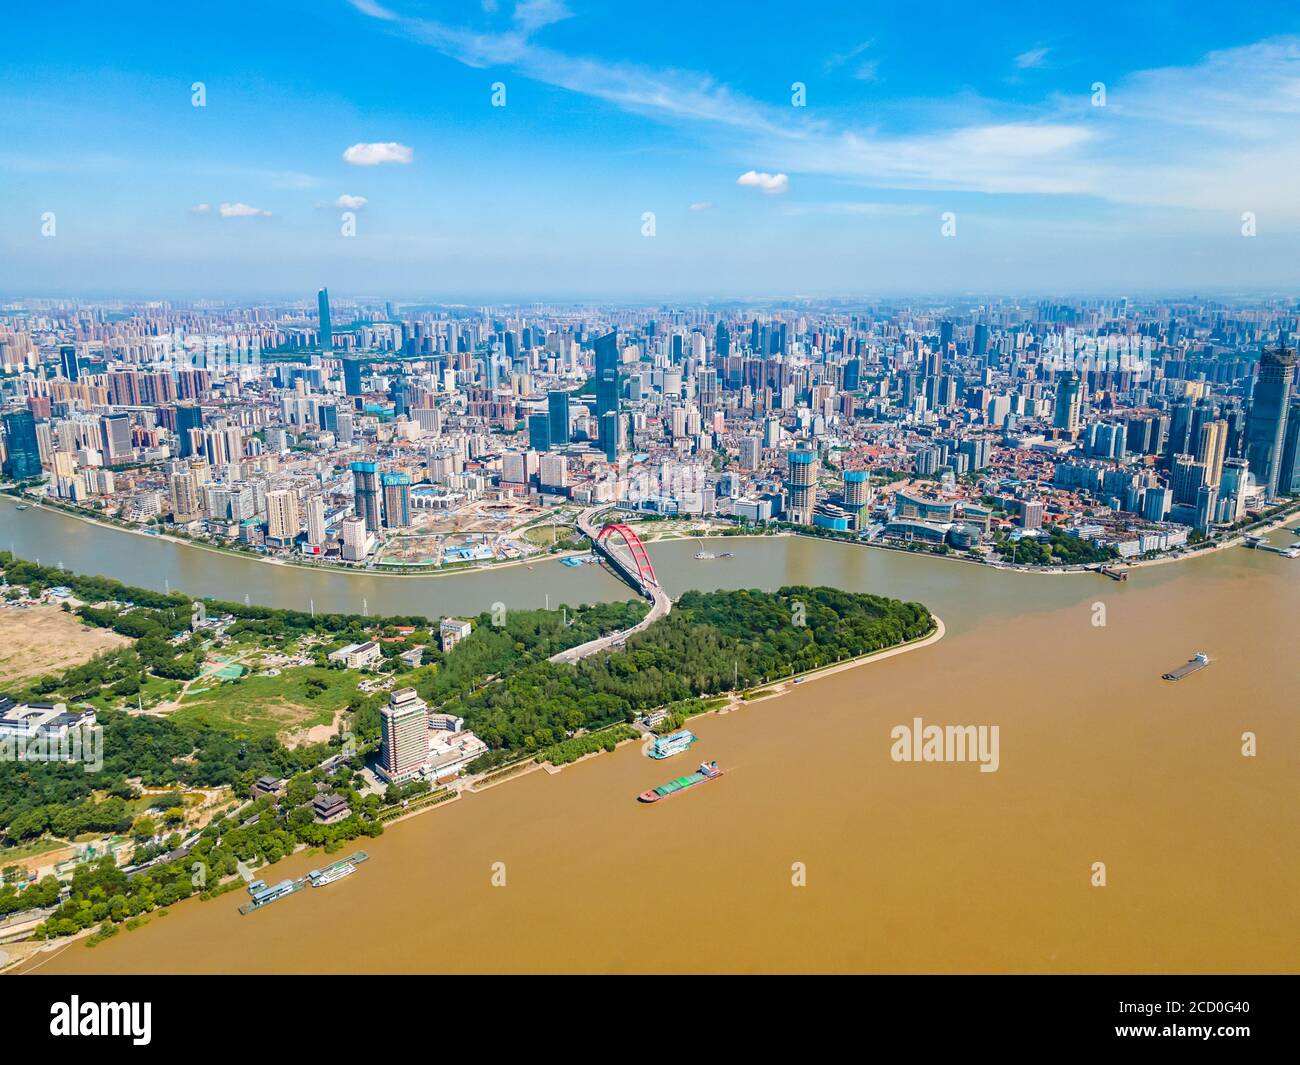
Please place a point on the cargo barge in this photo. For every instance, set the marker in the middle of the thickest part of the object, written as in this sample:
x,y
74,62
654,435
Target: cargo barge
x,y
1199,661
673,743
707,771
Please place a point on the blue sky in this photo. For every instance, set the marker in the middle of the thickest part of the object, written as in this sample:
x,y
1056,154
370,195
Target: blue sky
x,y
614,110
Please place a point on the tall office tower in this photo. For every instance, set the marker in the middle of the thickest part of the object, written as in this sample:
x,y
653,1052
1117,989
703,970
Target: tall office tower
x,y
326,330
857,491
1186,479
539,432
945,340
708,390
352,377
553,471
1207,498
607,362
116,432
1156,503
1179,440
801,483
186,502
1211,447
981,343
22,449
282,514
1232,489
610,430
557,413
397,500
722,340
68,364
188,417
356,538
751,452
852,375
771,432
1288,478
1266,423
365,492
403,736
316,521
1068,403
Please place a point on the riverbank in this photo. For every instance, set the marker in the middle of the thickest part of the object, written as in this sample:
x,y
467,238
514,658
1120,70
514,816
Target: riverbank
x,y
472,786
466,569
376,570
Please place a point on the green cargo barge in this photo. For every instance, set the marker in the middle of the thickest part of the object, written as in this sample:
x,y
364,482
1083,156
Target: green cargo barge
x,y
707,771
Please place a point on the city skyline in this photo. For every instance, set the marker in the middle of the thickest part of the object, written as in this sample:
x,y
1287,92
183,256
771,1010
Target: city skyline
x,y
385,113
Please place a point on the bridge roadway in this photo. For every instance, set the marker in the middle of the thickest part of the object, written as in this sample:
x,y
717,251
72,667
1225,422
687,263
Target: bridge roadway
x,y
660,603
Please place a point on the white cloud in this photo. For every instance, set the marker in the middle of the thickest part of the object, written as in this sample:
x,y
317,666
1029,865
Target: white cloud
x,y
702,206
769,183
839,59
1222,134
242,210
532,15
200,208
380,152
350,203
869,70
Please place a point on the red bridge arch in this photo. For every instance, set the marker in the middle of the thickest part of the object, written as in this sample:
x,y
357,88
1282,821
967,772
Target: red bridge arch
x,y
644,569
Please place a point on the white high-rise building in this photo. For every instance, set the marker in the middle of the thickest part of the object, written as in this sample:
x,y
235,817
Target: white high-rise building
x,y
404,736
282,514
316,520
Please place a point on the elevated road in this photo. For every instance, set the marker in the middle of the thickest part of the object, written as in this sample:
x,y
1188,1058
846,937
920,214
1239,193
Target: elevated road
x,y
640,575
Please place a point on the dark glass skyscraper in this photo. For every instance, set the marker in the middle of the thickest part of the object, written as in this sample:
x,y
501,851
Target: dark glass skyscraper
x,y
607,360
557,410
351,377
326,330
366,496
22,452
539,432
1288,478
1266,424
68,364
187,417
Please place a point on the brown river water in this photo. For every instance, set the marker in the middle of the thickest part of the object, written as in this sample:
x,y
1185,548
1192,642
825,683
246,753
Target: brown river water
x,y
907,867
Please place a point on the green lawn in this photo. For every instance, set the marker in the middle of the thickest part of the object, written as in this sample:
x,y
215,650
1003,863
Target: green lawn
x,y
257,706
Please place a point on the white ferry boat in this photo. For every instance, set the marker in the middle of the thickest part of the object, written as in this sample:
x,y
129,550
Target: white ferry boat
x,y
673,743
333,873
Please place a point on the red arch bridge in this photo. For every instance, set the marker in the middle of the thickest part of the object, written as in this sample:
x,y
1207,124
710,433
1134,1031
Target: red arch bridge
x,y
645,572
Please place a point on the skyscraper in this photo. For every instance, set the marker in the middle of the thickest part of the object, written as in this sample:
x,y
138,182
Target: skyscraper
x,y
1288,478
68,364
557,407
403,736
1266,424
366,498
397,499
282,514
352,377
856,491
22,451
326,330
607,361
539,432
188,417
1067,403
801,483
